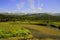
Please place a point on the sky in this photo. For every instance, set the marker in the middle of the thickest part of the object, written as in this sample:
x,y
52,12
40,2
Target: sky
x,y
30,6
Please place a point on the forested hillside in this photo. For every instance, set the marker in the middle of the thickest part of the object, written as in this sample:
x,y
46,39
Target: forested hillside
x,y
29,17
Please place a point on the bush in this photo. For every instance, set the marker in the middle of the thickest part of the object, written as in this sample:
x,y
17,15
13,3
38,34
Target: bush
x,y
59,27
53,26
41,24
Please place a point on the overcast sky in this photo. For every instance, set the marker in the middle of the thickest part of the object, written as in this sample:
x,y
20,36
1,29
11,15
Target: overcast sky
x,y
28,6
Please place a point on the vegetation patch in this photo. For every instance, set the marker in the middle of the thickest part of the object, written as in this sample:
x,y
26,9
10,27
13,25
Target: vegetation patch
x,y
41,24
53,26
8,30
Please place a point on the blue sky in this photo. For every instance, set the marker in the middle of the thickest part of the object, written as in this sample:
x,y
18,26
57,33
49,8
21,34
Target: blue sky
x,y
28,6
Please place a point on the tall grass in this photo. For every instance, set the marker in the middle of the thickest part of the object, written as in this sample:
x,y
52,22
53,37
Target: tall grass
x,y
12,29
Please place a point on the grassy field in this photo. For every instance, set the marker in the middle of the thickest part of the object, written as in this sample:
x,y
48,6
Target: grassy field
x,y
16,30
13,29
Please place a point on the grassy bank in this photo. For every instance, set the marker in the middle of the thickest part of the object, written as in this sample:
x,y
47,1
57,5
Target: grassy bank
x,y
17,30
12,29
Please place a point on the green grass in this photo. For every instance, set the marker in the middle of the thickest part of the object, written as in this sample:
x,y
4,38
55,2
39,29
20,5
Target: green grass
x,y
12,29
56,23
15,30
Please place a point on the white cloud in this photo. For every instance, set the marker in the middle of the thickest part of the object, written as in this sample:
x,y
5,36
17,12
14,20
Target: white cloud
x,y
8,11
40,8
32,5
33,8
40,5
20,5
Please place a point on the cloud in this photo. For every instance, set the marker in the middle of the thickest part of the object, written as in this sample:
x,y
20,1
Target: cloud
x,y
40,5
31,4
40,8
20,5
33,7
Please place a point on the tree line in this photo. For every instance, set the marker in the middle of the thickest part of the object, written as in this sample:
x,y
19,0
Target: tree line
x,y
28,17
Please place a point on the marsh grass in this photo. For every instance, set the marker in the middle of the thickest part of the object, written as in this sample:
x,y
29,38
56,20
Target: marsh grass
x,y
17,30
12,29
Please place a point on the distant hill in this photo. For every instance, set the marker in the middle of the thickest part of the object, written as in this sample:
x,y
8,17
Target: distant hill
x,y
30,17
55,14
45,14
6,13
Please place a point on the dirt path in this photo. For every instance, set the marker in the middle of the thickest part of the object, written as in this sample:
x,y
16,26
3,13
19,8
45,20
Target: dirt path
x,y
39,32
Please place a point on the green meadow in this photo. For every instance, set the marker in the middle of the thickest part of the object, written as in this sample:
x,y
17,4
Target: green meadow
x,y
17,30
13,29
29,27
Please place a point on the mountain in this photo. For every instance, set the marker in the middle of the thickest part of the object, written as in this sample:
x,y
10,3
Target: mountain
x,y
55,14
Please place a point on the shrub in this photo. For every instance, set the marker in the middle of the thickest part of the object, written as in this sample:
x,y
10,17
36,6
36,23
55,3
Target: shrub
x,y
53,26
